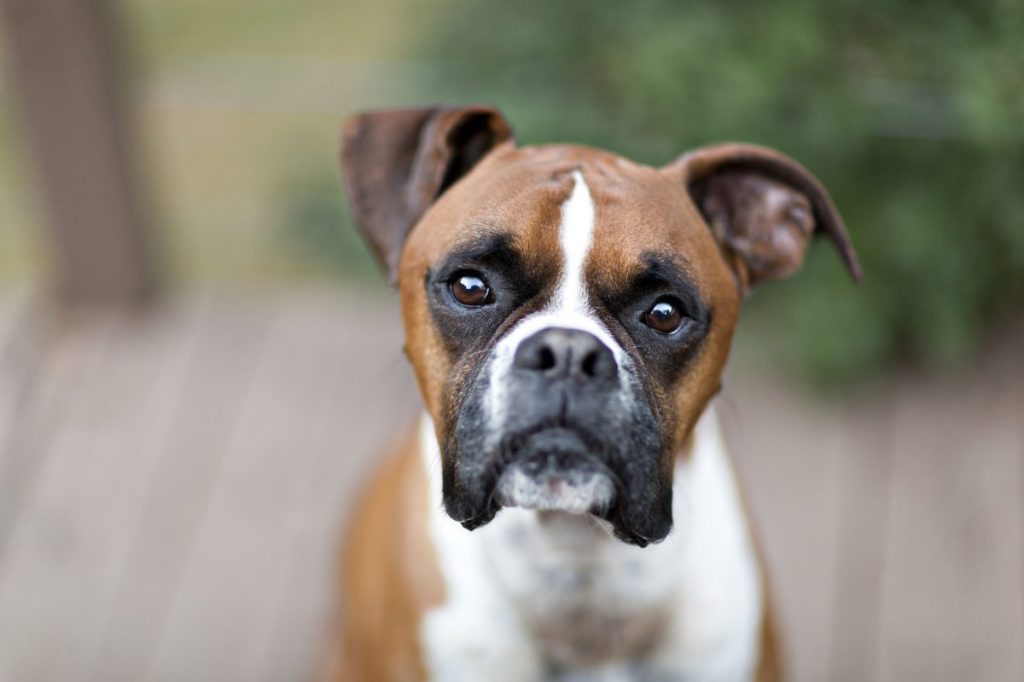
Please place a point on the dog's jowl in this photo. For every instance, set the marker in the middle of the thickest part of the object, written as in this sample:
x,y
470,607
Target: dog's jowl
x,y
565,508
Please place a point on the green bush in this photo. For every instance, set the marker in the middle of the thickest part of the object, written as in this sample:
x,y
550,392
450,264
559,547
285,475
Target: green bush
x,y
911,113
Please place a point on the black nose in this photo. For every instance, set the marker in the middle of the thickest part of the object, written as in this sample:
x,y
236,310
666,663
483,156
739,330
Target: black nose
x,y
563,353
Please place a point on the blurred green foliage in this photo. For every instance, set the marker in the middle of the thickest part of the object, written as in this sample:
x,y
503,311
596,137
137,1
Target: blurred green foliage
x,y
910,113
315,224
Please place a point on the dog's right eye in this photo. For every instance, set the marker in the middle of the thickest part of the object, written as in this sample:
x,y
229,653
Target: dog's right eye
x,y
665,316
471,289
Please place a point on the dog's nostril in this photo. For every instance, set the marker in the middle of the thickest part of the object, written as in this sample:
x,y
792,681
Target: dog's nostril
x,y
589,364
545,358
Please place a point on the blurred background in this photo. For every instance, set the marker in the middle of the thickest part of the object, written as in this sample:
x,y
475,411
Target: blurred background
x,y
200,364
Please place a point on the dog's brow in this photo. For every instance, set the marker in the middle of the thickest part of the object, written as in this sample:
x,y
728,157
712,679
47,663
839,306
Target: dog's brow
x,y
657,272
662,268
487,248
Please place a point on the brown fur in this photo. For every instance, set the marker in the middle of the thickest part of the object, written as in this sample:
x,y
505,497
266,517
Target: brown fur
x,y
390,577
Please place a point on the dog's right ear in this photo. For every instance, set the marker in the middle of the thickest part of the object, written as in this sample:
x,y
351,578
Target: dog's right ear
x,y
396,163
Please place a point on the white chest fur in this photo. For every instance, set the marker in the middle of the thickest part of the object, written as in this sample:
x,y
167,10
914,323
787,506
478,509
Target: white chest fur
x,y
537,596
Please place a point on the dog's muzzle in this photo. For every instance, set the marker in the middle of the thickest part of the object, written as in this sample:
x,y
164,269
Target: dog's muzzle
x,y
552,467
574,435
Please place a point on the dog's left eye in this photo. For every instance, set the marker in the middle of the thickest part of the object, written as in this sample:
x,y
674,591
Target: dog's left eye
x,y
665,316
471,289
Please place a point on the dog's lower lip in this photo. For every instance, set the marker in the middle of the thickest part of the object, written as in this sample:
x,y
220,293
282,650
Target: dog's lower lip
x,y
481,519
552,469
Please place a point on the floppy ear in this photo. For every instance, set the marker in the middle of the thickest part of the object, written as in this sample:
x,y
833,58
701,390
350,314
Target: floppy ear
x,y
763,209
396,163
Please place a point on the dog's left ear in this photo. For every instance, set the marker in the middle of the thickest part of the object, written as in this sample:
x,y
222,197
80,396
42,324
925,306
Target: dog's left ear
x,y
763,208
396,163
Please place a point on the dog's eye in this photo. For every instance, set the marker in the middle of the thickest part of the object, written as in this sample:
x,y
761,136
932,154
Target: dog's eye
x,y
471,289
665,316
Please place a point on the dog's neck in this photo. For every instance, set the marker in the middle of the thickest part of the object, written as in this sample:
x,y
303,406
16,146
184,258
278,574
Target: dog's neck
x,y
575,598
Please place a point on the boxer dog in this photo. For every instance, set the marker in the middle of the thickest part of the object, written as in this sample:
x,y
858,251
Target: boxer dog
x,y
565,509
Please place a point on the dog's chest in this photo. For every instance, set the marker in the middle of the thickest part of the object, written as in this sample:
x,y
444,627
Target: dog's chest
x,y
585,597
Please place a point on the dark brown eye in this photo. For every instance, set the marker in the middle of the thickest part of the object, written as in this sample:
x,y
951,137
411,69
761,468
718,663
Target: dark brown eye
x,y
471,289
664,316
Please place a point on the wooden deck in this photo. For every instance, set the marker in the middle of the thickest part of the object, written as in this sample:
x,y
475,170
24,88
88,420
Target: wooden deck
x,y
171,489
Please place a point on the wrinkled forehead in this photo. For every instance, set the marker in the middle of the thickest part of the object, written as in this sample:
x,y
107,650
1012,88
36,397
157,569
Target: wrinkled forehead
x,y
636,214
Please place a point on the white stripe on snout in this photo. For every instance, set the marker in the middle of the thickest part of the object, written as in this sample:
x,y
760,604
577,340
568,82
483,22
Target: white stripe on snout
x,y
575,235
569,307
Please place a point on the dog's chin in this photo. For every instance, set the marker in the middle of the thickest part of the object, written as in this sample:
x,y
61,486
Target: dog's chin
x,y
530,485
553,471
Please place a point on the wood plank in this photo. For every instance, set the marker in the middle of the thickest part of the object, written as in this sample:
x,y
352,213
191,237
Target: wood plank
x,y
1018,398
45,366
342,456
292,424
953,587
787,456
238,558
72,535
189,447
864,472
20,362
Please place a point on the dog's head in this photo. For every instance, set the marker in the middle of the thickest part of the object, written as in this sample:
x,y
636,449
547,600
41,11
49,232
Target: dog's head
x,y
568,312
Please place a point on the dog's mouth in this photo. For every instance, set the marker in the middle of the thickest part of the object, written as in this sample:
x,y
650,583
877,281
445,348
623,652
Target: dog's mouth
x,y
554,470
561,468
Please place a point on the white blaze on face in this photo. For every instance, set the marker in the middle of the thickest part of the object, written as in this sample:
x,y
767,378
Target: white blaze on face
x,y
576,234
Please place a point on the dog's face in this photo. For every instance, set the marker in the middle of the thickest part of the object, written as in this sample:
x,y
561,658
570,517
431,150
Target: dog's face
x,y
568,312
568,315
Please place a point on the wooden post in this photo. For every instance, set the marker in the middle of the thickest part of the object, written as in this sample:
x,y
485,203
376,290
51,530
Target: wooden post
x,y
78,132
